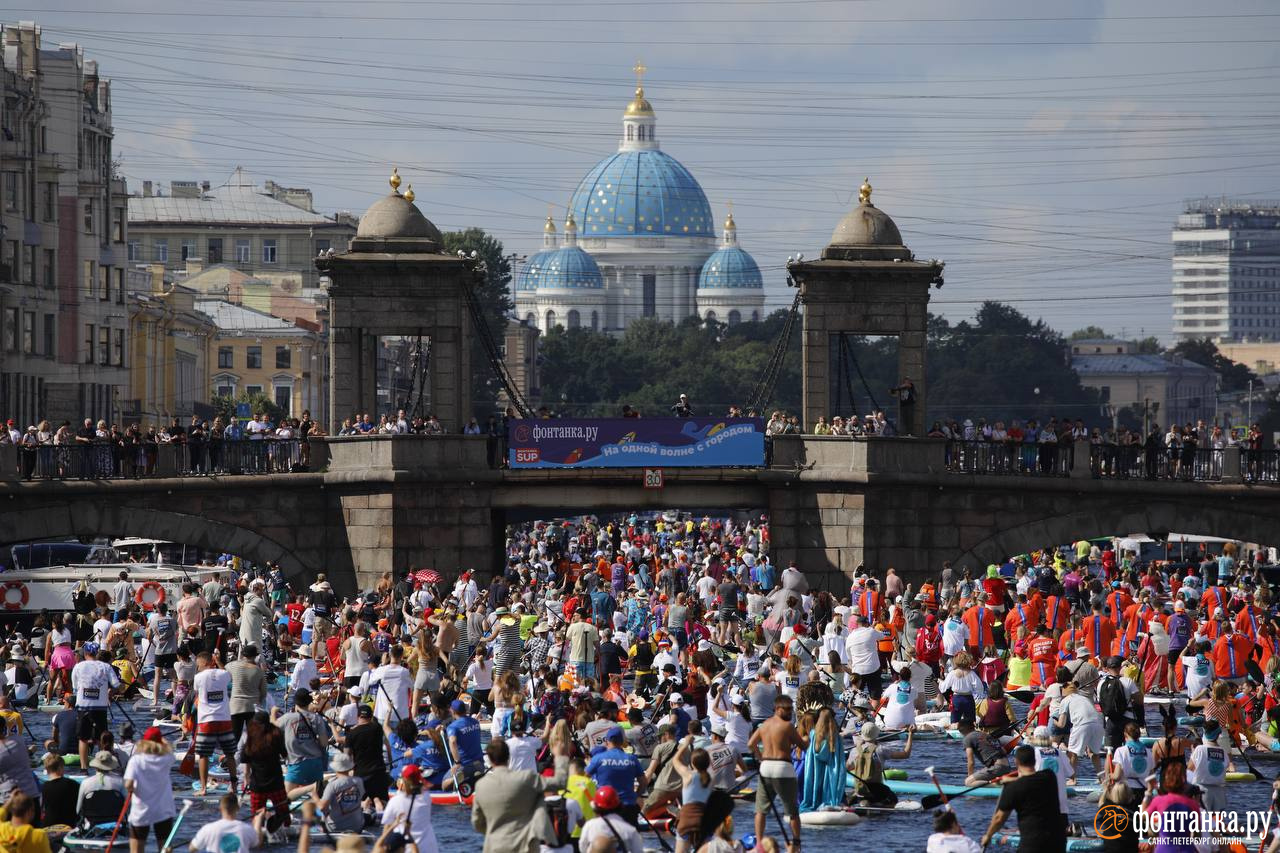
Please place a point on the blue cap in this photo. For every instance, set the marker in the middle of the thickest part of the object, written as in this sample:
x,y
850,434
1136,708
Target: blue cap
x,y
91,648
458,705
614,733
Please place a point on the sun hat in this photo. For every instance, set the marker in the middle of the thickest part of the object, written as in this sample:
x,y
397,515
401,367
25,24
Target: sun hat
x,y
304,651
341,763
105,761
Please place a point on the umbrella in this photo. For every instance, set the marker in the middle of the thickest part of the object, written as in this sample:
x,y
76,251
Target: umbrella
x,y
427,576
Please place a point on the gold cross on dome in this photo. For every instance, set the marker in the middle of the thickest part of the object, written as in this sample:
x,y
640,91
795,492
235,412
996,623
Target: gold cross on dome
x,y
639,69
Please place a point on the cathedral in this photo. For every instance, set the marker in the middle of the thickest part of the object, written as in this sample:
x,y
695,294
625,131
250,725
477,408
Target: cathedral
x,y
639,241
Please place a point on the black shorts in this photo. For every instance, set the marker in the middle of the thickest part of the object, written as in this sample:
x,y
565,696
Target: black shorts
x,y
729,614
377,785
166,661
91,723
162,829
351,681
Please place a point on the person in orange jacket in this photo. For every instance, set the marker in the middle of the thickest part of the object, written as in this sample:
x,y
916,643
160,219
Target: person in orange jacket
x,y
1230,655
1250,618
980,619
1137,618
868,602
1215,597
1044,658
1056,615
1021,620
1098,633
1118,601
1068,640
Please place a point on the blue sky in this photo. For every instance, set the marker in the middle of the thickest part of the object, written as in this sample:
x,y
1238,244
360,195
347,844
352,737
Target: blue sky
x,y
1042,150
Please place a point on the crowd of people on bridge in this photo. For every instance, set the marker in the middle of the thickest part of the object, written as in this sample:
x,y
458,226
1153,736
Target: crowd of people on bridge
x,y
632,675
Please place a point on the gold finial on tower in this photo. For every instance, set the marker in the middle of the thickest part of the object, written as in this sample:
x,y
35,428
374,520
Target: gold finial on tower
x,y
728,221
639,68
864,191
638,105
408,194
395,180
569,224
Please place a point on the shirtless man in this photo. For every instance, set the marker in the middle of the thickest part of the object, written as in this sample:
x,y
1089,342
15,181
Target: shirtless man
x,y
771,744
447,637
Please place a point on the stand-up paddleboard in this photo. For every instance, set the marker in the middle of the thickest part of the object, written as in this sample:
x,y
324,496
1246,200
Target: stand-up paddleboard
x,y
835,816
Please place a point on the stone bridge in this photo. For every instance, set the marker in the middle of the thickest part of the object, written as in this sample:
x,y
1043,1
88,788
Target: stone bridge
x,y
384,503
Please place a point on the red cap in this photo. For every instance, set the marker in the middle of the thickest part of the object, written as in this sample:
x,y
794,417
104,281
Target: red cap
x,y
606,798
153,733
930,619
411,771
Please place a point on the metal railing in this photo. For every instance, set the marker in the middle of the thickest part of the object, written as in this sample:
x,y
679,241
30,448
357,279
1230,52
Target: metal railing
x,y
1137,462
1026,459
1261,466
108,460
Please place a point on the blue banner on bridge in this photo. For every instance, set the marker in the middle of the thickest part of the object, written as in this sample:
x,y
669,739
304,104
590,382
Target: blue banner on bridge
x,y
636,443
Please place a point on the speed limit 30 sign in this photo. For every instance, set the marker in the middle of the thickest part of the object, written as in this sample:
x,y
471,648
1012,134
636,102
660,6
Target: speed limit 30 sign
x,y
653,478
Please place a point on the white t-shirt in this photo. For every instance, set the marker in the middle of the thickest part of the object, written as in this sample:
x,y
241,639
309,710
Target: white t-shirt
x,y
91,680
1080,710
862,648
955,635
596,828
420,819
396,682
900,709
213,695
941,842
100,630
1199,675
524,752
1210,766
1137,763
225,836
152,799
480,677
1055,759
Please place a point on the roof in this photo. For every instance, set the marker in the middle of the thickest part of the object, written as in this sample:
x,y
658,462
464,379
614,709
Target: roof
x,y
567,267
1094,365
730,267
639,194
229,317
239,202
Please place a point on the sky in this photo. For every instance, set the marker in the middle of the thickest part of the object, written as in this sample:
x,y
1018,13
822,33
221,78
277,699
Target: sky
x,y
1042,150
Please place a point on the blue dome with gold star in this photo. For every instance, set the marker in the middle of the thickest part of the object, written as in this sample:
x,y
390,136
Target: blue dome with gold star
x,y
730,267
527,278
645,193
568,267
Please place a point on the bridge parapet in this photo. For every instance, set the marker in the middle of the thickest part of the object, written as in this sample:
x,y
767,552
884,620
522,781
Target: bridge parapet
x,y
459,455
832,453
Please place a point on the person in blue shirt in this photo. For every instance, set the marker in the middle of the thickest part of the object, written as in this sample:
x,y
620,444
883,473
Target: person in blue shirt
x,y
602,607
620,770
464,744
767,575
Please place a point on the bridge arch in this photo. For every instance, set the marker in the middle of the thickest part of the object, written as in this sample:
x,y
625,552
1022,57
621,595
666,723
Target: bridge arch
x,y
90,517
1226,518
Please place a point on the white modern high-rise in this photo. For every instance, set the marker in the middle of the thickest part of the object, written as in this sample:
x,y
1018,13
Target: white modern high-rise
x,y
1226,271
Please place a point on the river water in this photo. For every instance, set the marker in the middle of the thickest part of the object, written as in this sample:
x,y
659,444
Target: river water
x,y
906,832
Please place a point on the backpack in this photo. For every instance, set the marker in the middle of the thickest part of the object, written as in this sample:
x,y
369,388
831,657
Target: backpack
x,y
558,813
1112,699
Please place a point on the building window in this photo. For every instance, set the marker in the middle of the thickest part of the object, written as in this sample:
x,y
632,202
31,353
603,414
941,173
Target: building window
x,y
284,397
135,251
252,390
117,225
104,283
226,357
50,334
50,202
735,317
595,321
29,332
13,257
161,249
50,267
225,390
574,319
88,216
10,190
215,250
253,357
284,358
242,251
268,251
88,343
118,272
188,249
90,277
650,297
551,320
11,329
117,347
104,345
322,246
630,133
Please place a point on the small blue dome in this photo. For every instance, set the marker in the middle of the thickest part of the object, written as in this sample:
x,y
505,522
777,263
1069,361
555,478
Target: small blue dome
x,y
730,267
569,267
527,278
641,194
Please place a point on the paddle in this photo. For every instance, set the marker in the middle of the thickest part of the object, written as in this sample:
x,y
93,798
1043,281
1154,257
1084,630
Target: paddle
x,y
187,767
932,801
876,791
124,810
168,842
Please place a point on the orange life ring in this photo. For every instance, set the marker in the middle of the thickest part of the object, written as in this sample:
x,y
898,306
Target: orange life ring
x,y
23,595
141,597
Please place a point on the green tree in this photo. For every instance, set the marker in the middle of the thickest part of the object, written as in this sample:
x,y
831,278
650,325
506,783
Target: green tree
x,y
1203,351
494,298
1089,333
225,406
1149,345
